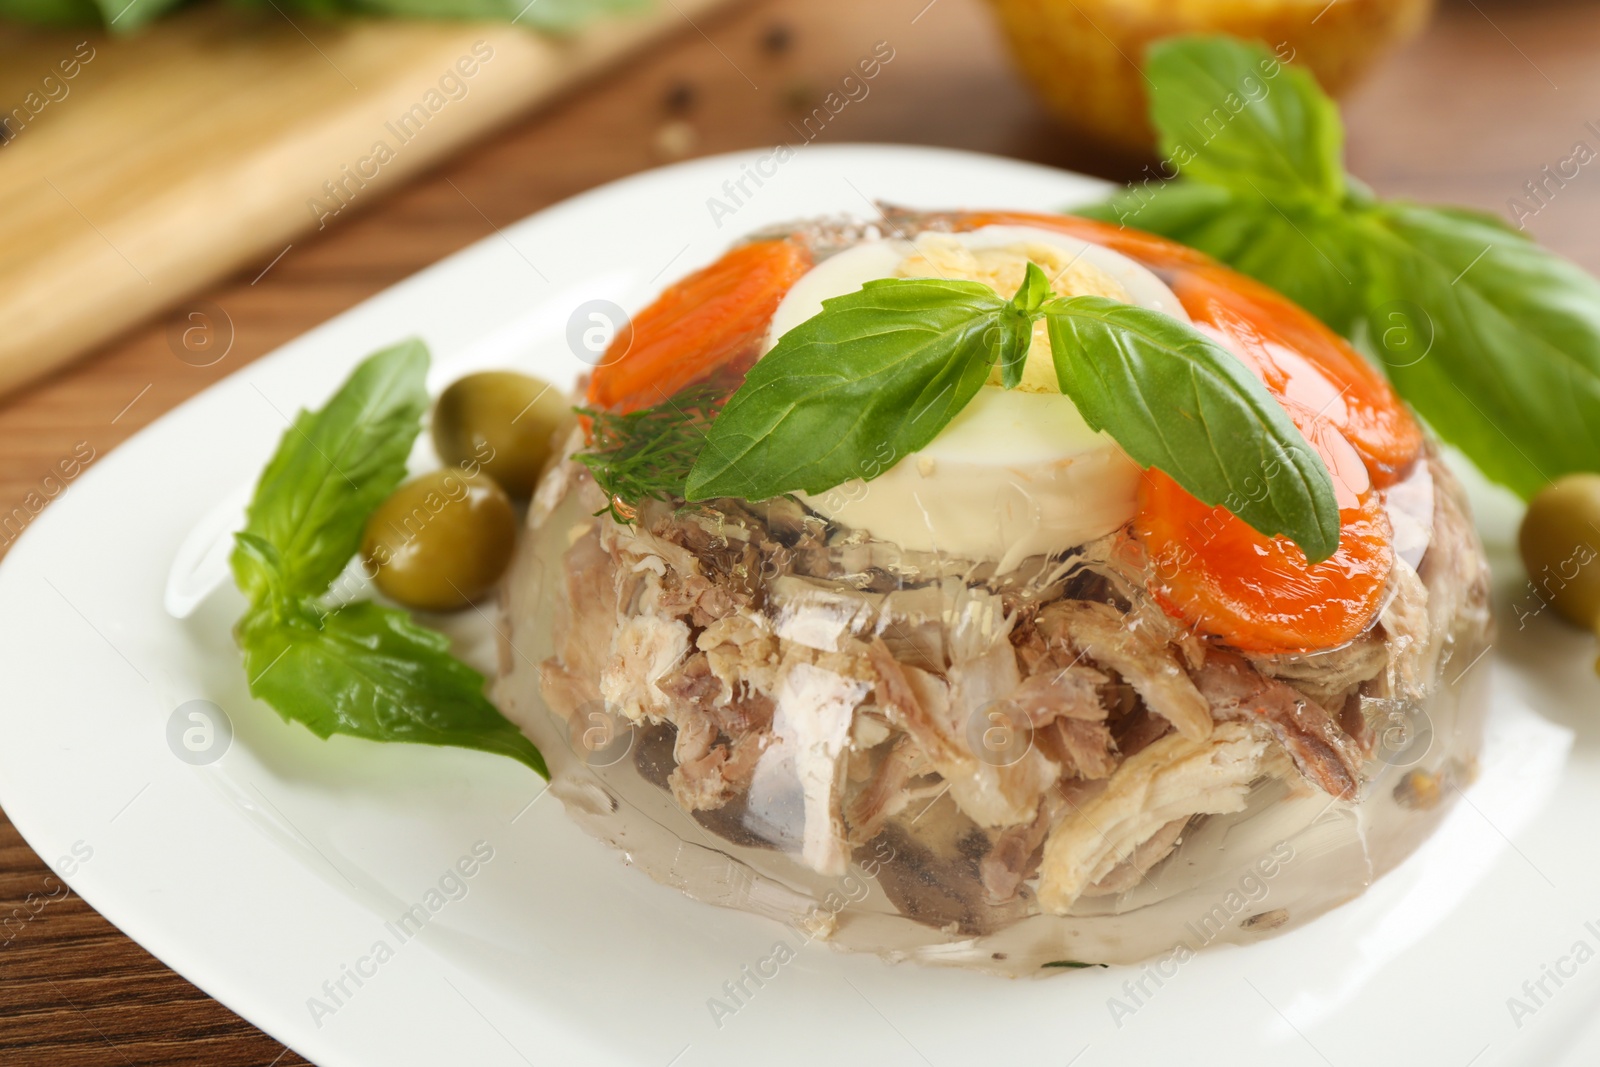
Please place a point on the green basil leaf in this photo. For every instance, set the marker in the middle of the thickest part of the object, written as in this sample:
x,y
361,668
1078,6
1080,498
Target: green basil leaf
x,y
1230,114
1509,364
1176,400
1017,338
1468,216
332,468
1171,208
1033,292
1306,254
51,12
371,672
1017,321
849,392
258,569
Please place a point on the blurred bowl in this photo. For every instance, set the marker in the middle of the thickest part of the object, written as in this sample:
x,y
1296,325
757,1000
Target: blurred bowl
x,y
1082,56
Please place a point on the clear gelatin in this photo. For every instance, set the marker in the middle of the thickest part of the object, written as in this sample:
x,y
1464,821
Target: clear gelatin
x,y
906,754
1008,701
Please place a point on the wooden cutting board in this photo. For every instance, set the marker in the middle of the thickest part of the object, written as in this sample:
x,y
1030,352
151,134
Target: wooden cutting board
x,y
138,170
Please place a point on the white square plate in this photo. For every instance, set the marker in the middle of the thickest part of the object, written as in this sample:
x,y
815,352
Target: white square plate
x,y
275,878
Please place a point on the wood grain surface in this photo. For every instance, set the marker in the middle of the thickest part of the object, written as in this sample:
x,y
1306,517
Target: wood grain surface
x,y
141,168
1470,112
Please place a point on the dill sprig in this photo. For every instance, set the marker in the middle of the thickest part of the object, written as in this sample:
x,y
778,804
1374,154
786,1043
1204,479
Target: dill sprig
x,y
646,454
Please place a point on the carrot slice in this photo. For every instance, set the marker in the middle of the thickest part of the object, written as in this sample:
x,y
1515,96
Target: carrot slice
x,y
1258,593
1305,366
1147,248
710,322
1302,362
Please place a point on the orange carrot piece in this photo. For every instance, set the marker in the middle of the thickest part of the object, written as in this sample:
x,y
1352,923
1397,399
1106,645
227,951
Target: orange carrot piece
x,y
1258,593
710,322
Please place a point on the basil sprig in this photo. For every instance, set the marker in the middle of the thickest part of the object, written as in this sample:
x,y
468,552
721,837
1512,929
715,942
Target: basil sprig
x,y
887,366
357,668
892,364
1495,341
332,468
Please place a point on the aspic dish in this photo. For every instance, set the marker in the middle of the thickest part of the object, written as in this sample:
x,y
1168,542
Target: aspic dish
x,y
1045,701
1003,589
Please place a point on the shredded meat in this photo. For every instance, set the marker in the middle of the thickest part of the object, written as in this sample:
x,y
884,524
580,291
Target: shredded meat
x,y
717,745
1070,690
1084,749
884,795
815,708
1136,729
990,793
700,601
693,682
1149,664
1131,871
1013,855
1322,752
1330,677
763,686
906,708
1173,779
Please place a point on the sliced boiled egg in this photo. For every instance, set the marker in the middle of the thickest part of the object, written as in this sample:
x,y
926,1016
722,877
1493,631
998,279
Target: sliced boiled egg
x,y
1018,472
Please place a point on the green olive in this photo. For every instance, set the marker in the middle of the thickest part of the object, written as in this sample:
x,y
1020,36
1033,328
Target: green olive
x,y
441,540
1560,542
499,422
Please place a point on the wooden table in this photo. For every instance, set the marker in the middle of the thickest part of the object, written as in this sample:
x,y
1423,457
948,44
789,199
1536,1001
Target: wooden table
x,y
1471,112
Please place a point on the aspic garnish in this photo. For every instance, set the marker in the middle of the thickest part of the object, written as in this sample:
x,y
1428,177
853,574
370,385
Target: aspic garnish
x,y
354,668
893,363
1495,341
647,454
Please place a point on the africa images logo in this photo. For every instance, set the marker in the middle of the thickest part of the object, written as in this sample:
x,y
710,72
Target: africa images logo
x,y
452,885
